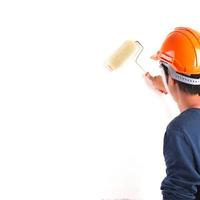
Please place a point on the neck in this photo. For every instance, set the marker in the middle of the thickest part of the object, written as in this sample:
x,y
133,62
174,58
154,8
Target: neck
x,y
186,101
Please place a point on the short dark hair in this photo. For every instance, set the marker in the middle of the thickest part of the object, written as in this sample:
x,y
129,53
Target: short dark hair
x,y
187,88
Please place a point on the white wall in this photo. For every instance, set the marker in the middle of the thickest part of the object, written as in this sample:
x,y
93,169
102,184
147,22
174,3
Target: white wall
x,y
70,129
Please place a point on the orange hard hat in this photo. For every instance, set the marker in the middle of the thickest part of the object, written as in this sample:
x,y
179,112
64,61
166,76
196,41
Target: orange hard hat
x,y
181,50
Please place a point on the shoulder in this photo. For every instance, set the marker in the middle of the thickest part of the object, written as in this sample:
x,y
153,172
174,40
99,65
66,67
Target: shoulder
x,y
176,124
185,125
175,135
184,119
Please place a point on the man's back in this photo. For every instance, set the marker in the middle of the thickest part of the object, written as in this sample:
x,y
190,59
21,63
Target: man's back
x,y
182,157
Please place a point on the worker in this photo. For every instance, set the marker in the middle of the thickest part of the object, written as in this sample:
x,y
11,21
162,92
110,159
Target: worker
x,y
179,60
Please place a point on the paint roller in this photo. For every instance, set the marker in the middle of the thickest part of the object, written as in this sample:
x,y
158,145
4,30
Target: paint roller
x,y
128,49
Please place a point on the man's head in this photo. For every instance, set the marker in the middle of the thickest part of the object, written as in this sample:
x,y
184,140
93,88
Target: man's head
x,y
185,95
179,57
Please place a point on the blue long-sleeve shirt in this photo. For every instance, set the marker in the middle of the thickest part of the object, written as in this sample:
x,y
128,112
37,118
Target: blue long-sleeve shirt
x,y
182,157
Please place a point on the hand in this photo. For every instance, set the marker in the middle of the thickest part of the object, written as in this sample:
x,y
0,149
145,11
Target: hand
x,y
157,82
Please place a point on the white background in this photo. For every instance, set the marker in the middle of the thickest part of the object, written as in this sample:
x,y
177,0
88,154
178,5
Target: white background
x,y
69,128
